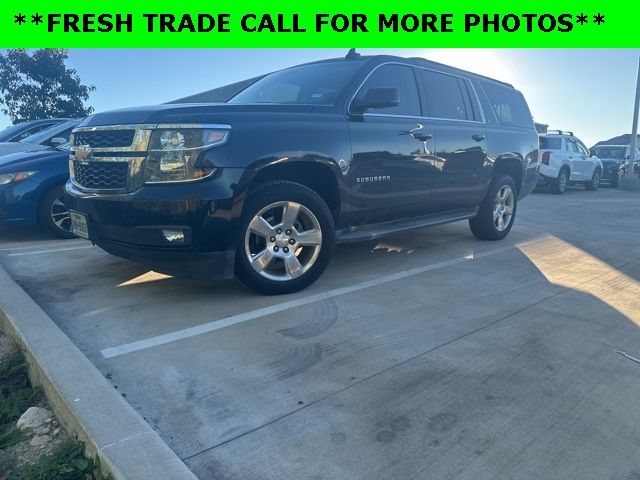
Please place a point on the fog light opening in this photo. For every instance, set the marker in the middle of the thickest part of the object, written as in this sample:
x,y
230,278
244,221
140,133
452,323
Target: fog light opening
x,y
173,236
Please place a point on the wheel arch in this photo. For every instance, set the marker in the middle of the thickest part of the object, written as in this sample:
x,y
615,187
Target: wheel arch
x,y
45,188
320,175
512,165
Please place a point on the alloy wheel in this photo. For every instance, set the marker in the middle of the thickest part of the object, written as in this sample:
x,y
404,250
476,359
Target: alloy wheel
x,y
562,181
503,208
60,214
283,241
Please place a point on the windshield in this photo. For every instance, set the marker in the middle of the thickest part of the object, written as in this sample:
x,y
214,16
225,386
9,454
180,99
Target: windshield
x,y
316,84
610,152
12,130
56,131
550,143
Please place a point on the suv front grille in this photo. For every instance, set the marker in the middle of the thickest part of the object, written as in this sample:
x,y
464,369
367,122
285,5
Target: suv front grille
x,y
101,175
104,138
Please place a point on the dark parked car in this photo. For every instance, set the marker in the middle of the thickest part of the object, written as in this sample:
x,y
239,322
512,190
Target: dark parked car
x,y
615,160
31,190
340,150
22,130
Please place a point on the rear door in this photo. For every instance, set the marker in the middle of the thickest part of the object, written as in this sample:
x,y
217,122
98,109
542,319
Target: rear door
x,y
460,161
391,171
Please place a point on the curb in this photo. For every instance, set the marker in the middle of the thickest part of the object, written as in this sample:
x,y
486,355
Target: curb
x,y
85,403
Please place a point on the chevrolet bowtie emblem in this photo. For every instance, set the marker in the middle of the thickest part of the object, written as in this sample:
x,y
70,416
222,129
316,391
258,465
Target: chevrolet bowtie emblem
x,y
83,152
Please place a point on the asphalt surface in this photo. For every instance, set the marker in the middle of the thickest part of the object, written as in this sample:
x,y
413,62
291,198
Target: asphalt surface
x,y
428,354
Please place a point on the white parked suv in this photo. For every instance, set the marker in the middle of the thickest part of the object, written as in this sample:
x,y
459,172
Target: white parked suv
x,y
564,161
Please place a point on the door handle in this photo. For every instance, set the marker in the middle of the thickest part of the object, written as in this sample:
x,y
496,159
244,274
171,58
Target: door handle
x,y
478,138
422,137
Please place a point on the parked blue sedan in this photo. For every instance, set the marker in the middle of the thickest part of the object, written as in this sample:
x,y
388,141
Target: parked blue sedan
x,y
31,190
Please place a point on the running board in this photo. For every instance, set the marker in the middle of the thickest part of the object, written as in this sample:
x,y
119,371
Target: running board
x,y
371,232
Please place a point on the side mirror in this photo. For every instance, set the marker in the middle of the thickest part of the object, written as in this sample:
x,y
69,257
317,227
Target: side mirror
x,y
59,140
376,98
592,153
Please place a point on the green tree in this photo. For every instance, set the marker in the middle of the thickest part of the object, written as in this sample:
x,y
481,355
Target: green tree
x,y
39,85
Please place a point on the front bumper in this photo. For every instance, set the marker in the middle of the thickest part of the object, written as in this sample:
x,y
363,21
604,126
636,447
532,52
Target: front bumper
x,y
611,172
130,225
19,203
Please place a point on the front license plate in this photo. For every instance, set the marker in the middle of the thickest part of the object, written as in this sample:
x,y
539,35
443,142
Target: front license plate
x,y
79,225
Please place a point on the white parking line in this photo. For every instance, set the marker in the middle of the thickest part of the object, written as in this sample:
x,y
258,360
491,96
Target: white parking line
x,y
36,245
151,342
49,250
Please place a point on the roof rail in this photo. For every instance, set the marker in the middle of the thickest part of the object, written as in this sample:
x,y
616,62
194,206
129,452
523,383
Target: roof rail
x,y
560,132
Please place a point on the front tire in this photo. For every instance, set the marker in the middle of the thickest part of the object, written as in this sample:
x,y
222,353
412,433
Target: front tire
x,y
286,238
560,185
594,184
497,211
53,213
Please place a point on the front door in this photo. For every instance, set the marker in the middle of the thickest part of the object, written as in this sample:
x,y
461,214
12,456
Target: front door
x,y
391,166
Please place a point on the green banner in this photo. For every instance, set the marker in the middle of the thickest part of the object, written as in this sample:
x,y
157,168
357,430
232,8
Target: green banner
x,y
329,23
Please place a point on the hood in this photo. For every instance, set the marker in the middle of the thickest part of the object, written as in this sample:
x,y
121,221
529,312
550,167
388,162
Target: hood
x,y
8,162
186,113
613,161
12,147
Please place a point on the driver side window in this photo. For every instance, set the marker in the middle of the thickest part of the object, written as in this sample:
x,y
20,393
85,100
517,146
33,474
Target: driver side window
x,y
400,77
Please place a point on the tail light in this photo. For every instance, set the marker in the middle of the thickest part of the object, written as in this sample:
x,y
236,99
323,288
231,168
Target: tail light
x,y
545,157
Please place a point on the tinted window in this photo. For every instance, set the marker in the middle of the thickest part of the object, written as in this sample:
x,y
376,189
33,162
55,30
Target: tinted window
x,y
401,78
31,131
550,143
570,145
447,96
610,152
317,84
508,105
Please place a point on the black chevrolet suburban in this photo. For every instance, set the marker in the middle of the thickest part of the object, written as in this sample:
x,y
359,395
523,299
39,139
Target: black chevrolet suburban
x,y
264,185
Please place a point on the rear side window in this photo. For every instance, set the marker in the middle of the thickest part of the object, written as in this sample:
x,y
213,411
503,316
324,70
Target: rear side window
x,y
400,77
508,105
550,143
447,96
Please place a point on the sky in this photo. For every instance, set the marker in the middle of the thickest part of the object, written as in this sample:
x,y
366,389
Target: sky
x,y
587,91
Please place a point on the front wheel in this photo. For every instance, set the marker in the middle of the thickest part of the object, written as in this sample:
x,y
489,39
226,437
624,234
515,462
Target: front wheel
x,y
54,214
594,184
497,211
286,238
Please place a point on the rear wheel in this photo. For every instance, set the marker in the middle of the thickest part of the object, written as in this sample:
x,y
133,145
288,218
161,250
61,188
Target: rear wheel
x,y
54,214
594,184
497,211
286,238
560,185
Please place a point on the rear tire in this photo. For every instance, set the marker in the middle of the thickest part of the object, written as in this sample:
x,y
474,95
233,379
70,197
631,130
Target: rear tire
x,y
560,185
285,240
497,211
53,215
594,184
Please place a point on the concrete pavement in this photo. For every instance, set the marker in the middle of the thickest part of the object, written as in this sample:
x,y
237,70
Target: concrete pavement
x,y
486,360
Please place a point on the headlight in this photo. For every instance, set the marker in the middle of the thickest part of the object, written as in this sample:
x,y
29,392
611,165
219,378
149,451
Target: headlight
x,y
177,154
14,177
